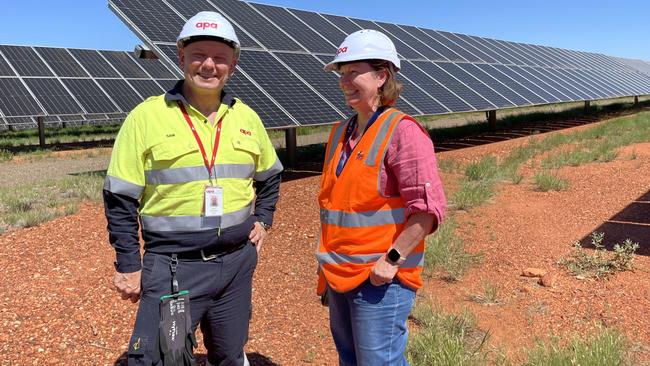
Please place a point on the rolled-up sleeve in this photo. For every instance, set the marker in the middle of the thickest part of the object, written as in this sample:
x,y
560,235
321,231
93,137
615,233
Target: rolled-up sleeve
x,y
411,171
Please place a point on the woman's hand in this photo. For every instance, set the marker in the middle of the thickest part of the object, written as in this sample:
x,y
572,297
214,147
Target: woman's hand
x,y
382,272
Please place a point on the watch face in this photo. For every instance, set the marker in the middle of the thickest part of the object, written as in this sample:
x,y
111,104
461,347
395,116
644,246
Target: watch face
x,y
393,255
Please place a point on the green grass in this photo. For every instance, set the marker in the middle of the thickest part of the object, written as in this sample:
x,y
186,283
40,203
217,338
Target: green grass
x,y
55,135
609,348
545,181
5,155
33,204
445,253
439,339
600,263
489,296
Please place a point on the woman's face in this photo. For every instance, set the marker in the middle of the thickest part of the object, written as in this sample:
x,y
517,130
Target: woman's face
x,y
360,84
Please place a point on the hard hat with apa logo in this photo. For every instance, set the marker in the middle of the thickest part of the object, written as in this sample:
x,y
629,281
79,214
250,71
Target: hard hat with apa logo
x,y
208,24
365,44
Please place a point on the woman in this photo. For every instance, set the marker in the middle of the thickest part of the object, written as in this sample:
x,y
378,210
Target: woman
x,y
380,195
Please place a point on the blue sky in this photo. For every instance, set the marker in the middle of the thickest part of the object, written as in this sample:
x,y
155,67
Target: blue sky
x,y
613,28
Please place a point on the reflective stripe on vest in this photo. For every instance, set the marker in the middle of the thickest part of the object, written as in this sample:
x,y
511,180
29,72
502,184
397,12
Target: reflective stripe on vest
x,y
120,186
362,219
198,173
413,260
195,223
381,136
338,133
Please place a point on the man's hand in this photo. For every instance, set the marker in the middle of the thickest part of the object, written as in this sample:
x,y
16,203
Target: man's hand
x,y
128,285
382,272
257,236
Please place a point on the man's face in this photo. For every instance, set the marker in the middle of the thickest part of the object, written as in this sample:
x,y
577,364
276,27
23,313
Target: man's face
x,y
207,65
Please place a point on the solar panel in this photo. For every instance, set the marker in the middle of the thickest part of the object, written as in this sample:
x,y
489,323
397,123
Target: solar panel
x,y
146,88
450,44
124,64
442,72
496,84
478,45
189,8
431,42
150,17
259,27
20,123
15,99
25,61
326,29
515,73
91,97
94,63
475,85
121,93
171,51
166,83
342,23
272,116
53,96
61,62
155,68
405,107
296,97
309,68
552,86
435,70
5,69
445,97
411,41
420,98
308,38
402,48
510,82
461,42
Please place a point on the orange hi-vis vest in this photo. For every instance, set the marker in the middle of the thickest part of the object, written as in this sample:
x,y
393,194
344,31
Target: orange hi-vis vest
x,y
358,223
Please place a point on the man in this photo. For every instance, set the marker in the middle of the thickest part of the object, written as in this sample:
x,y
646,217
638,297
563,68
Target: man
x,y
197,169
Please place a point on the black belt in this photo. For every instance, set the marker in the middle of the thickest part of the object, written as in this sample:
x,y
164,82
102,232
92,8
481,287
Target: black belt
x,y
212,252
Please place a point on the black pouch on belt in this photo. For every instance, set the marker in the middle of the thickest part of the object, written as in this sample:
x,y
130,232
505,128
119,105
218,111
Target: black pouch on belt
x,y
177,340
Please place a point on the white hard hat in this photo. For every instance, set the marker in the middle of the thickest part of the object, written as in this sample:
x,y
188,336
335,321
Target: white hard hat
x,y
365,44
209,24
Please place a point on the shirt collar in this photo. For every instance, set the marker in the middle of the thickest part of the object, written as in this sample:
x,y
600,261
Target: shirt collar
x,y
176,94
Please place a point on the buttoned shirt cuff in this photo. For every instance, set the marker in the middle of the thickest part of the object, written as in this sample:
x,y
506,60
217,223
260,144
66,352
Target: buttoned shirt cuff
x,y
127,262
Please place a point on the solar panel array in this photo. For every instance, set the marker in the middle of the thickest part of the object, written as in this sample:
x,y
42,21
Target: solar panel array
x,y
284,50
74,86
280,70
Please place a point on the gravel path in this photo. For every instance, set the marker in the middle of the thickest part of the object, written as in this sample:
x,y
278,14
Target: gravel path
x,y
22,172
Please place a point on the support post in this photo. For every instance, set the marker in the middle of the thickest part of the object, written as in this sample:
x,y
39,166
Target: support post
x,y
291,146
587,106
40,120
636,100
492,120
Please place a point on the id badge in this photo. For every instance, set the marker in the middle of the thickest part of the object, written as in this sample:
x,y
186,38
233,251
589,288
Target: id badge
x,y
213,196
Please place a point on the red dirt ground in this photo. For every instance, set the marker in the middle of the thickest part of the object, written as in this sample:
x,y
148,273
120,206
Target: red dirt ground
x,y
57,306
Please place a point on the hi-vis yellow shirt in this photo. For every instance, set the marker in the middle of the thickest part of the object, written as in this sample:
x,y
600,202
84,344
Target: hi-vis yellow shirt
x,y
156,160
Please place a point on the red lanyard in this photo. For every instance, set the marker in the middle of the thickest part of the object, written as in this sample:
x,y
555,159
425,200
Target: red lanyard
x,y
209,166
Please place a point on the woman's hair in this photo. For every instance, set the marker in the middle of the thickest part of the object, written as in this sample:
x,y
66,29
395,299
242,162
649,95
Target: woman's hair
x,y
392,88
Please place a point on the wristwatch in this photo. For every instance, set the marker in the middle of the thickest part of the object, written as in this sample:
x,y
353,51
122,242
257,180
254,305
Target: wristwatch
x,y
264,225
394,257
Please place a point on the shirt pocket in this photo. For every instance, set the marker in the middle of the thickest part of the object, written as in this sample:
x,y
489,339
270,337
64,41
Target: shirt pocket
x,y
247,146
166,152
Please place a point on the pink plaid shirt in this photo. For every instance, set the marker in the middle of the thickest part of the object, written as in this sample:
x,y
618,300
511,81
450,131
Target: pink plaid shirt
x,y
410,170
